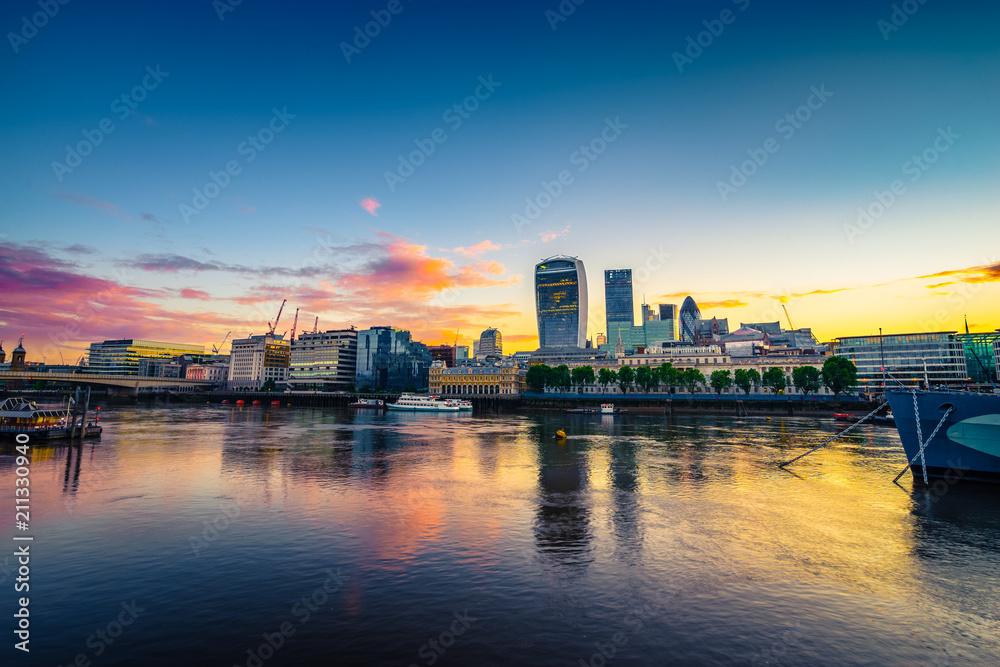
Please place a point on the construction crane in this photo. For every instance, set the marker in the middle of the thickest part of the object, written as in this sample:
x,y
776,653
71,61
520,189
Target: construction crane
x,y
270,327
789,317
316,325
217,350
295,324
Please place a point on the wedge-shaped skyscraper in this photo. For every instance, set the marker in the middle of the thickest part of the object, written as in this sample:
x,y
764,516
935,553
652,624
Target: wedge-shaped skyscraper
x,y
561,302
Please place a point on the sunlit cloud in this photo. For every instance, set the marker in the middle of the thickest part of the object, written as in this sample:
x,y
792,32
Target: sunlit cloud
x,y
725,303
551,234
370,204
195,294
478,249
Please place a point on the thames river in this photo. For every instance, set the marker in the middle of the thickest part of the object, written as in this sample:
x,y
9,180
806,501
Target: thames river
x,y
217,535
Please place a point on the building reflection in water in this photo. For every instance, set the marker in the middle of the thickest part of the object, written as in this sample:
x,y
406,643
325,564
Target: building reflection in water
x,y
624,474
563,531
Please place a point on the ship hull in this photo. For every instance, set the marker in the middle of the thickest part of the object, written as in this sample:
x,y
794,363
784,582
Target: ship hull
x,y
966,447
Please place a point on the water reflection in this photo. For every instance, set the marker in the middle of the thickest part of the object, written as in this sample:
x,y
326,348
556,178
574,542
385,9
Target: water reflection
x,y
562,520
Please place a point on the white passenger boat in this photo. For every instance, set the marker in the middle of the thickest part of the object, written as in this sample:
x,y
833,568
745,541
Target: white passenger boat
x,y
420,403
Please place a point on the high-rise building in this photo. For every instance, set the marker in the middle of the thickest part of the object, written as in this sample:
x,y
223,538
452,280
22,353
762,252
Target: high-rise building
x,y
122,357
445,353
668,313
618,302
461,352
649,314
909,358
561,302
255,360
600,339
389,358
490,343
689,315
323,361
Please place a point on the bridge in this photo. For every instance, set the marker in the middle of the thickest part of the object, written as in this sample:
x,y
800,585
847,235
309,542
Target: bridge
x,y
125,383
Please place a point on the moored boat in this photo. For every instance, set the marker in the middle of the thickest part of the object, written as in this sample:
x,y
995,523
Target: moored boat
x,y
19,415
420,403
605,409
886,420
965,427
368,403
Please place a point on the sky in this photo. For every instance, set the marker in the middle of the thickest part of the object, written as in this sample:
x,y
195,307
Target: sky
x,y
173,172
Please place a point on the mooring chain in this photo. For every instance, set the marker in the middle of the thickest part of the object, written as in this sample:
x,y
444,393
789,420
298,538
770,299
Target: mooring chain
x,y
920,437
923,446
844,432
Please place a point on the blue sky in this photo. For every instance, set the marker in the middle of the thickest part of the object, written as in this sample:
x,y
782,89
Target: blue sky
x,y
790,230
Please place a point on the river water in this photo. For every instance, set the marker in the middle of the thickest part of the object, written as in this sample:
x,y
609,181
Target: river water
x,y
251,536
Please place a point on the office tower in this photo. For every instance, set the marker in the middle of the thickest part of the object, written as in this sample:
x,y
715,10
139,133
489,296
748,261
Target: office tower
x,y
618,301
490,343
561,302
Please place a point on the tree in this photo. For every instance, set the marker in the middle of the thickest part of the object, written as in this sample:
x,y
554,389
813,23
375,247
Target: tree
x,y
626,376
721,380
774,379
669,376
538,377
582,375
839,373
645,377
560,378
807,379
606,377
691,378
746,379
268,385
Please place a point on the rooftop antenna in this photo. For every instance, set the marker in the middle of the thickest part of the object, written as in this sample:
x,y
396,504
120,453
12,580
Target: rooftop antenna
x,y
966,323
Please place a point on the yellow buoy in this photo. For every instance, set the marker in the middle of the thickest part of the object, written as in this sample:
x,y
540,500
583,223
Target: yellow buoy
x,y
560,433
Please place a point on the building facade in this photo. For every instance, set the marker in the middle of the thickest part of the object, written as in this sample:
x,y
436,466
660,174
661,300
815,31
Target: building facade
x,y
687,320
979,355
446,353
255,360
211,372
913,359
122,357
618,302
323,361
561,302
490,343
388,358
503,380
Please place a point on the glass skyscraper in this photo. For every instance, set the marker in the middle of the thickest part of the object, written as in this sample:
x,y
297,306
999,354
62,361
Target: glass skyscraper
x,y
389,358
561,302
689,316
618,302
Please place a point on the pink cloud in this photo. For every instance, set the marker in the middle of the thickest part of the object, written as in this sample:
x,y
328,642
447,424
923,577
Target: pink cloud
x,y
478,249
551,234
194,294
370,204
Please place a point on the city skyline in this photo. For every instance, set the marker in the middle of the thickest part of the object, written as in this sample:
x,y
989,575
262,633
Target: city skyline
x,y
840,163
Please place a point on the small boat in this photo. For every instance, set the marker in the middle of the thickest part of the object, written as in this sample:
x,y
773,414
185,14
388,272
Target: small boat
x,y
605,409
886,420
419,403
461,403
45,422
966,433
368,403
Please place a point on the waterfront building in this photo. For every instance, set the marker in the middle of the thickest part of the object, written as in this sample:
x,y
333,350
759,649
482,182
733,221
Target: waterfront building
x,y
211,372
389,358
257,359
160,368
506,379
618,301
446,353
323,361
561,302
572,356
979,355
490,343
688,316
937,357
123,356
996,356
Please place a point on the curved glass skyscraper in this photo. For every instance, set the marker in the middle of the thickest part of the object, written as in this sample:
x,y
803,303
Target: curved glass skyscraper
x,y
561,302
689,316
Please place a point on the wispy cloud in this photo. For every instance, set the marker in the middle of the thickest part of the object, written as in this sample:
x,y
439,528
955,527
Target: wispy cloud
x,y
96,204
552,234
188,293
725,303
986,273
149,217
478,249
370,205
